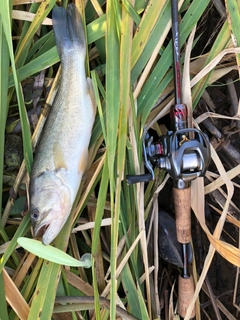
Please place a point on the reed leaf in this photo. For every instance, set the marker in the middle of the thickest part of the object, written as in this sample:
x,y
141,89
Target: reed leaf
x,y
233,16
44,295
6,21
42,62
95,240
23,47
53,254
3,309
4,66
219,44
112,116
21,231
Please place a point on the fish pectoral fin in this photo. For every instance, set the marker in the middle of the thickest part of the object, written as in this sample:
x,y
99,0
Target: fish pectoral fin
x,y
91,94
83,162
58,158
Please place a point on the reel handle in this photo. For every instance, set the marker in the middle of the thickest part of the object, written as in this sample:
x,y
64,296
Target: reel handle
x,y
131,179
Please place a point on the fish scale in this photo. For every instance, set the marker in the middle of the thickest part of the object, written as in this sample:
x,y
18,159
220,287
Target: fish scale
x,y
62,152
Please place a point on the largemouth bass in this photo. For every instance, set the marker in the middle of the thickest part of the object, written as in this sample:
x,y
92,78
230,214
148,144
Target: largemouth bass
x,y
62,153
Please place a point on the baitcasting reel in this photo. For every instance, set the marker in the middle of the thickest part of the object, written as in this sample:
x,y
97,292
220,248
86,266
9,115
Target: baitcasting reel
x,y
183,158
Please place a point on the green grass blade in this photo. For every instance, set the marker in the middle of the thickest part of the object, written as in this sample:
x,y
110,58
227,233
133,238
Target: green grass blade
x,y
136,301
45,43
100,207
65,289
26,25
149,31
125,106
140,5
233,16
96,29
28,288
27,146
24,45
3,303
131,292
95,239
220,43
143,309
21,231
42,62
53,254
5,238
44,296
99,105
112,84
4,67
112,117
131,11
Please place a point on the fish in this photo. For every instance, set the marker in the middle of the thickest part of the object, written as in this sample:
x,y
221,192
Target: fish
x,y
62,153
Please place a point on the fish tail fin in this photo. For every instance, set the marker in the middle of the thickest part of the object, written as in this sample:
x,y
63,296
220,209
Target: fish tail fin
x,y
68,29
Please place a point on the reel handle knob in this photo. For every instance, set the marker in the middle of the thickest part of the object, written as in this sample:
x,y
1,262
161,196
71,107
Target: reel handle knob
x,y
132,179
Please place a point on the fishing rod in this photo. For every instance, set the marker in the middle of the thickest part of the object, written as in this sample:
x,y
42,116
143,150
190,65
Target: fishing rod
x,y
185,154
181,188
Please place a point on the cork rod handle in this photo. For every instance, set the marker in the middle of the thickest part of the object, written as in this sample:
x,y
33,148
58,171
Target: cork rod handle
x,y
182,198
185,294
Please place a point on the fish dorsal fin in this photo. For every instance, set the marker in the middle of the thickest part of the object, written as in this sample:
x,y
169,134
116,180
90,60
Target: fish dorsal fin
x,y
58,158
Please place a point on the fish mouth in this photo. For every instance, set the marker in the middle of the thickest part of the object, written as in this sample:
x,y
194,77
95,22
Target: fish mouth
x,y
48,230
40,230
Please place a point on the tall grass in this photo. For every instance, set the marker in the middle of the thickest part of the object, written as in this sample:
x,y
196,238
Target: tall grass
x,y
130,58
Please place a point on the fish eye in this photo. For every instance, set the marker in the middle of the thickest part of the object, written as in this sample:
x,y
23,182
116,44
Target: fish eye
x,y
34,213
